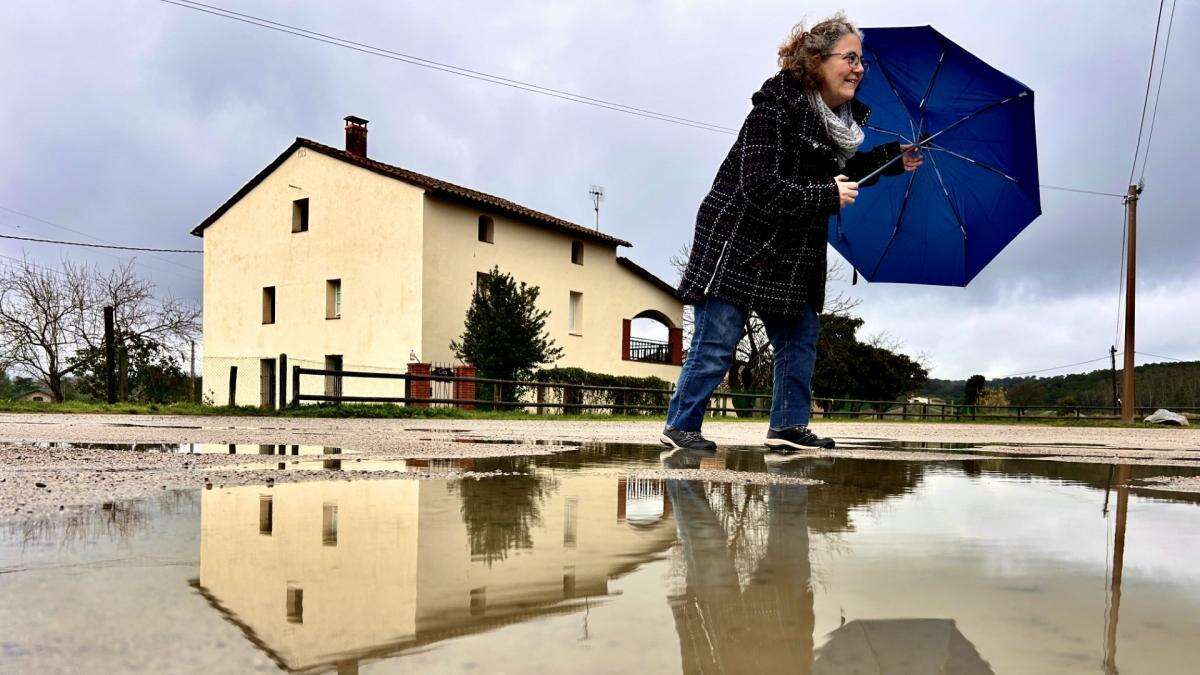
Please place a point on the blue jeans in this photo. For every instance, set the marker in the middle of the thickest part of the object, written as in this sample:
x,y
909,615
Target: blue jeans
x,y
716,331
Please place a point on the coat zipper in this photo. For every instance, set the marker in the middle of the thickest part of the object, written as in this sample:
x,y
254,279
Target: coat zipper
x,y
716,268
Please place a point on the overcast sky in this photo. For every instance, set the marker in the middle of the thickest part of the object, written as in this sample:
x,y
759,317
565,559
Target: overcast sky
x,y
133,120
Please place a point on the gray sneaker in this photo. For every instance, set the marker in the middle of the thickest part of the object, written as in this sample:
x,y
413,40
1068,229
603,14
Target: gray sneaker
x,y
688,440
796,438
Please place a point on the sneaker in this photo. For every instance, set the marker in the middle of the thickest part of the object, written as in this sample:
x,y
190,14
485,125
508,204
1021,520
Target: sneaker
x,y
796,438
688,440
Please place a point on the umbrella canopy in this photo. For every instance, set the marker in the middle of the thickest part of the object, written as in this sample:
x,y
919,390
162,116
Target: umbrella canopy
x,y
900,646
943,223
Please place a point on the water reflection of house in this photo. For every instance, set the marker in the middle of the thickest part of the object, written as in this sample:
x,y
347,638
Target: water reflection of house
x,y
318,574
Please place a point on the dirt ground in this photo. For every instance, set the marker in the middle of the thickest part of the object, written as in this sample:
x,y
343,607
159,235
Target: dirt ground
x,y
39,474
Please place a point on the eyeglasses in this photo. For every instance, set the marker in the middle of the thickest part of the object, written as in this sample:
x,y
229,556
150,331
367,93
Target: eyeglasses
x,y
853,59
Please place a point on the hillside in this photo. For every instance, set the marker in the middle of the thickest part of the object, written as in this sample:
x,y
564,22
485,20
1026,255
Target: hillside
x,y
1157,384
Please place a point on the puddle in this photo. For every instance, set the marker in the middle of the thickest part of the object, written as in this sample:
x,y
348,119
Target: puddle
x,y
970,566
512,441
196,448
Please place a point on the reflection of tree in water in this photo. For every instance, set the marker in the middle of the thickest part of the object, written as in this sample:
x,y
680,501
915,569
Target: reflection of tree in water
x,y
114,521
850,484
501,512
743,512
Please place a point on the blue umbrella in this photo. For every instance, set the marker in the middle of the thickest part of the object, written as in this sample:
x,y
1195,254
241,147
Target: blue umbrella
x,y
943,223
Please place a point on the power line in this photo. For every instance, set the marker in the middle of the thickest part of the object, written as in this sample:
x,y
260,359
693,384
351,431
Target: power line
x,y
152,300
1043,370
113,246
446,68
172,263
1146,99
1086,192
1162,72
1160,356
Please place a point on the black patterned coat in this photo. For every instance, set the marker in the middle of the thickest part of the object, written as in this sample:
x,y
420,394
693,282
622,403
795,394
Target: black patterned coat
x,y
761,231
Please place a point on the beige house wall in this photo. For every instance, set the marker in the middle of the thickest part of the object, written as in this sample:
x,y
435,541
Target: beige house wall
x,y
364,229
539,257
401,568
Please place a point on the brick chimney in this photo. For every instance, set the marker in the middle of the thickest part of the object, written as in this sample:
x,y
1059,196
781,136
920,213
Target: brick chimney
x,y
356,136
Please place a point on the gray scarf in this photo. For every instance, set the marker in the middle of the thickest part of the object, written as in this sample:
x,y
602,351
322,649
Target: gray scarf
x,y
842,128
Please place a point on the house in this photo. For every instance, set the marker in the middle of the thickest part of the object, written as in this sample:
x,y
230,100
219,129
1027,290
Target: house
x,y
334,574
340,261
37,396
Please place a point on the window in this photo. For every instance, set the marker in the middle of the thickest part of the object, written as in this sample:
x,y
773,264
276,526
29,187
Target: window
x,y
571,522
300,215
329,526
333,383
266,515
295,604
481,279
478,601
487,229
333,299
268,304
575,315
577,252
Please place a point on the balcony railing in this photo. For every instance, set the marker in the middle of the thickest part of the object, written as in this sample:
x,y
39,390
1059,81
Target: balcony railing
x,y
651,351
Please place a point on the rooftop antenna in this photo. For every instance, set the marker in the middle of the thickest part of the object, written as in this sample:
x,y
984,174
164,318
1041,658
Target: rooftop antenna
x,y
596,193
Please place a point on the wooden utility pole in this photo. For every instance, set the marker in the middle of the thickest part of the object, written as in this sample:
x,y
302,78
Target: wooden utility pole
x,y
110,358
1118,565
1127,393
1112,353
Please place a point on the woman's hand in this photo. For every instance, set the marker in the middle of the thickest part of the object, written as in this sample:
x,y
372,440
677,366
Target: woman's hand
x,y
912,157
847,190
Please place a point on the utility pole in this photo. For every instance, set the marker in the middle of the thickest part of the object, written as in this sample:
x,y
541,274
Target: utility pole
x,y
596,192
1128,394
110,358
1112,353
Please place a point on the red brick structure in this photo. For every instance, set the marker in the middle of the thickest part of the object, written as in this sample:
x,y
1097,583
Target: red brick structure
x,y
419,388
464,390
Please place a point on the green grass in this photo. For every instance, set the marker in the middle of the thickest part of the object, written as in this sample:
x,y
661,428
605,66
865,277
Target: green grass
x,y
388,411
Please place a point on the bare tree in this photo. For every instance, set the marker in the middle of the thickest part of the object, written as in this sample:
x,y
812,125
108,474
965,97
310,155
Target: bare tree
x,y
47,316
38,309
137,316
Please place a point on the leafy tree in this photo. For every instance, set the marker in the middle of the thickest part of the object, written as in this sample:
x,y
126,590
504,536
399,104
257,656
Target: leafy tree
x,y
847,368
975,385
1028,392
149,371
505,332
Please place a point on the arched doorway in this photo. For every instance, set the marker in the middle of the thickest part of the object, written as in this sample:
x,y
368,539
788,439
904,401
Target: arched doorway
x,y
651,337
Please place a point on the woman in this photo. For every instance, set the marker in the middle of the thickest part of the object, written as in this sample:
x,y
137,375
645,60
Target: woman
x,y
760,233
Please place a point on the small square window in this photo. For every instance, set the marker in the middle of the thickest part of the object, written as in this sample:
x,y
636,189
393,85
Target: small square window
x,y
268,304
577,252
575,314
300,215
487,229
333,299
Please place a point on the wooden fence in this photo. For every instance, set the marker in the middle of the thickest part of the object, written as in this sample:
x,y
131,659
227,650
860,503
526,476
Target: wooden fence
x,y
634,400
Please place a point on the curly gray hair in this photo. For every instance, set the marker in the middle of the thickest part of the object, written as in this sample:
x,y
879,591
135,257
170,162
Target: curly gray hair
x,y
801,53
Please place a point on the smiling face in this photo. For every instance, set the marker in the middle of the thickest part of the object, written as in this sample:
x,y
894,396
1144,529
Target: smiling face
x,y
839,80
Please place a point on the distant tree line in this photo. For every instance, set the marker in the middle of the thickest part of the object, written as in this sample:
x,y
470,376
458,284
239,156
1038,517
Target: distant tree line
x,y
1157,384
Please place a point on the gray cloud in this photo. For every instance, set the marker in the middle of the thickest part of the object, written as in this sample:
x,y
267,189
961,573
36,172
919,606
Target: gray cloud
x,y
133,120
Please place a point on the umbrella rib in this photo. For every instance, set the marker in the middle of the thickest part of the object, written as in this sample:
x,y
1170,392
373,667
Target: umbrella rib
x,y
977,163
887,78
953,209
975,114
925,97
896,230
897,134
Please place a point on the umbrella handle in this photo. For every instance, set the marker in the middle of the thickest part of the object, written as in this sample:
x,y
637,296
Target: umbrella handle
x,y
876,172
